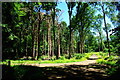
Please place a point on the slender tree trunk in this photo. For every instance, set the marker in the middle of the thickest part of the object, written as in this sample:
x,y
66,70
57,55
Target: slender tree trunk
x,y
70,37
106,30
70,46
72,43
82,48
49,39
38,42
32,29
58,55
70,13
54,31
99,45
81,41
45,45
101,42
34,42
33,51
78,47
67,48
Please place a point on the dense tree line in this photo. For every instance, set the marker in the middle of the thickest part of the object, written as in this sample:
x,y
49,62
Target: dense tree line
x,y
34,29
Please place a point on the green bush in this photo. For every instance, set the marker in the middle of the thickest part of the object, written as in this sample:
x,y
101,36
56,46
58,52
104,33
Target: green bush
x,y
108,61
78,56
111,70
87,55
62,58
105,50
43,57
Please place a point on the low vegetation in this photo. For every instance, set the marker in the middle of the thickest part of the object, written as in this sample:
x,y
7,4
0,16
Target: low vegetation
x,y
76,57
112,61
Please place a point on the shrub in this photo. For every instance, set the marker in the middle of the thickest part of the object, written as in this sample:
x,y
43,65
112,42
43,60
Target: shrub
x,y
62,58
111,70
43,57
105,50
87,55
78,56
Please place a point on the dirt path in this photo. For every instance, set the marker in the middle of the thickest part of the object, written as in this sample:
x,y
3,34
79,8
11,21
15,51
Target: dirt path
x,y
91,60
85,70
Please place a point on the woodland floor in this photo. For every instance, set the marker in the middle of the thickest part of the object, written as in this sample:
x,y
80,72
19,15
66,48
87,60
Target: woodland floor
x,y
91,60
85,70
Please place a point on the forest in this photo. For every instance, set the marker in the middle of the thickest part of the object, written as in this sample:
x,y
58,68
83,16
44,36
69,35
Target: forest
x,y
36,33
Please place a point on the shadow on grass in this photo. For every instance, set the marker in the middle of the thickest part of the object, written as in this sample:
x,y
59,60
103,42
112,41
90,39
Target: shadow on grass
x,y
72,72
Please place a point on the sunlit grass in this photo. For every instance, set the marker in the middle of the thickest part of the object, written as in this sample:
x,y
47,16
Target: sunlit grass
x,y
15,62
76,57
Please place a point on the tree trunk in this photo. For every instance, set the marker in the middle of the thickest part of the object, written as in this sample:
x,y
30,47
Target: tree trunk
x,y
58,55
33,48
49,39
53,31
38,37
106,30
34,42
81,40
99,45
70,45
101,42
78,46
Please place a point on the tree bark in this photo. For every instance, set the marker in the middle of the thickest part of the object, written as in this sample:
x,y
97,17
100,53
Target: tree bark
x,y
49,39
106,30
58,55
38,37
101,42
53,31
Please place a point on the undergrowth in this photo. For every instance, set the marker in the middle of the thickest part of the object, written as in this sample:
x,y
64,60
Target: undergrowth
x,y
76,57
111,61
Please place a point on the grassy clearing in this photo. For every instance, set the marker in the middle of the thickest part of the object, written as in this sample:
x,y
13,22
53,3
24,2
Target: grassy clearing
x,y
76,57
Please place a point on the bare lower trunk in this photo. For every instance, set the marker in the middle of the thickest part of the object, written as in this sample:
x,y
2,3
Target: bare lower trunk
x,y
78,47
49,40
35,47
58,55
70,45
81,47
99,45
32,43
34,50
100,41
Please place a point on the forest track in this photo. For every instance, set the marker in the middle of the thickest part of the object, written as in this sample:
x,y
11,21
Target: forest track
x,y
85,70
91,60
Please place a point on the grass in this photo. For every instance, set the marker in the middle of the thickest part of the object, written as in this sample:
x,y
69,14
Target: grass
x,y
76,57
104,59
14,62
111,61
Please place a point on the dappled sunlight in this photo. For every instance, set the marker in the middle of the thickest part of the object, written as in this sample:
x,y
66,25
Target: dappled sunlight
x,y
85,70
68,72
